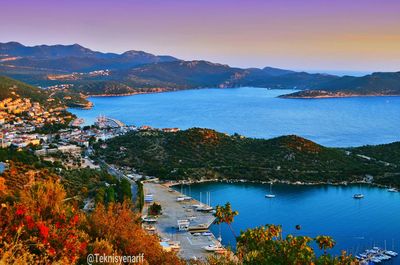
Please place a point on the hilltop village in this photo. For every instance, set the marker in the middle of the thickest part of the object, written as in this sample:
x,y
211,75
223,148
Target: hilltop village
x,y
50,130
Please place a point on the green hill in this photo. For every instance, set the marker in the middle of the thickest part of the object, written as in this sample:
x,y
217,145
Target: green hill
x,y
389,153
9,87
197,153
379,84
13,88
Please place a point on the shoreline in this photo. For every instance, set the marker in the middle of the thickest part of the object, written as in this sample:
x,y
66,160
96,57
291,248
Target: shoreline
x,y
167,90
336,96
171,183
287,96
155,91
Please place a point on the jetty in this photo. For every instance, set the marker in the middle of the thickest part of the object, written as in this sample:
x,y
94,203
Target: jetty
x,y
180,225
106,122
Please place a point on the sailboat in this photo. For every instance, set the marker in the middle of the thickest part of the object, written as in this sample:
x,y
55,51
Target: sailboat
x,y
358,195
270,195
205,207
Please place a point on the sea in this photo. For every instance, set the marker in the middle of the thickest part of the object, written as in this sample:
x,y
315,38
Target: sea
x,y
259,113
354,224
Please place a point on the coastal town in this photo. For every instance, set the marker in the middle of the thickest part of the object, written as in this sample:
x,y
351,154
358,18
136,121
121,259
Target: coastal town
x,y
20,119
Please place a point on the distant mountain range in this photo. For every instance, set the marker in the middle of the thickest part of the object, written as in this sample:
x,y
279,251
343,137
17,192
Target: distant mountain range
x,y
96,73
74,58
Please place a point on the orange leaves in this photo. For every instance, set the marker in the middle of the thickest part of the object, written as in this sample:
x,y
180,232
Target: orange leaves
x,y
20,210
265,245
74,220
117,229
49,234
225,214
43,230
325,242
3,187
40,226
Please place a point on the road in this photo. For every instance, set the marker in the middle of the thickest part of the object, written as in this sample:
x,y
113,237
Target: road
x,y
115,172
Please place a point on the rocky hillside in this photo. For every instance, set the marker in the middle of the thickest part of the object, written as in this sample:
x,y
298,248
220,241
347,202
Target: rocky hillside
x,y
197,153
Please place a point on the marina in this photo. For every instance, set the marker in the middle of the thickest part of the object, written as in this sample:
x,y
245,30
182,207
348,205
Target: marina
x,y
184,223
375,255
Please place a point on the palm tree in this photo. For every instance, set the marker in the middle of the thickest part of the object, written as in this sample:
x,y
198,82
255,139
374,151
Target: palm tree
x,y
225,214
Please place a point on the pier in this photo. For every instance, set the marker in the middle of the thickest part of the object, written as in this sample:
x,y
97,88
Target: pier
x,y
189,238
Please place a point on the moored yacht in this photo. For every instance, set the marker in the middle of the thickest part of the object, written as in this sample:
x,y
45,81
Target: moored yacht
x,y
213,248
270,195
391,253
358,196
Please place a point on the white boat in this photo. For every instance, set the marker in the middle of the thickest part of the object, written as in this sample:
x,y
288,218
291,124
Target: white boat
x,y
392,190
270,195
204,208
358,195
391,253
180,199
213,248
384,257
206,234
149,220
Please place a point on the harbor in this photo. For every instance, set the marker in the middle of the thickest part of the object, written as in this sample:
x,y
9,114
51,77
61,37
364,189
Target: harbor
x,y
184,222
376,255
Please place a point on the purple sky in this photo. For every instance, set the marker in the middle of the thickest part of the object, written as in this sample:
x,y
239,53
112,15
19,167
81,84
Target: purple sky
x,y
358,35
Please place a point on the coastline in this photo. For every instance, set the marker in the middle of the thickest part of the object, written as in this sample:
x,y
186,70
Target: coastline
x,y
171,183
151,91
86,106
167,90
335,96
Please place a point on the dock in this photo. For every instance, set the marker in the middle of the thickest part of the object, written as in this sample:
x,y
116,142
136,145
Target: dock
x,y
191,246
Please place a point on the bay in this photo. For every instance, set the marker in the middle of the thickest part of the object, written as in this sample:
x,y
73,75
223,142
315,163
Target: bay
x,y
258,112
355,224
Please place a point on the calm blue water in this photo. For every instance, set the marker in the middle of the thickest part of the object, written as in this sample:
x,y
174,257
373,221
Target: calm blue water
x,y
320,210
257,112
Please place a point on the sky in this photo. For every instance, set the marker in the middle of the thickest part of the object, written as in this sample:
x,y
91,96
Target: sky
x,y
312,35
